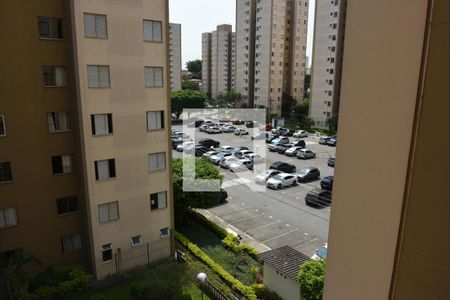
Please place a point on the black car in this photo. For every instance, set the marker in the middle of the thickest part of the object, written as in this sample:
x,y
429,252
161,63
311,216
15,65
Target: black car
x,y
200,150
223,195
283,167
299,143
271,137
282,148
249,124
332,141
324,140
318,198
208,143
176,141
308,174
331,161
327,183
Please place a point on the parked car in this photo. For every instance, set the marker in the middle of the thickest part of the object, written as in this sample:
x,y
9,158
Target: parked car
x,y
226,161
216,158
308,174
214,129
223,195
282,131
200,150
281,180
255,158
176,141
259,136
318,197
321,253
203,127
180,135
327,183
241,131
226,148
324,140
240,154
277,142
264,176
241,165
209,122
209,154
282,148
249,124
237,122
292,151
185,145
208,143
332,141
229,128
300,143
331,161
300,134
305,154
271,137
237,149
284,167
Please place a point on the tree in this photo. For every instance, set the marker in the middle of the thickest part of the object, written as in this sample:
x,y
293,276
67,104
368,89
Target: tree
x,y
302,109
195,67
311,278
287,104
307,85
186,200
188,85
332,123
227,99
186,99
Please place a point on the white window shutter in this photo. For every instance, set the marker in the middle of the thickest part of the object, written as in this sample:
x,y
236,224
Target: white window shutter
x,y
158,123
149,77
152,162
76,242
51,122
157,32
103,169
60,121
162,201
60,76
93,76
101,124
89,25
148,32
11,217
103,74
113,211
158,76
103,213
151,120
161,161
2,219
100,26
67,162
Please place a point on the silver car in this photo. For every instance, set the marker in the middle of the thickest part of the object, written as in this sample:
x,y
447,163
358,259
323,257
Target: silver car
x,y
226,161
281,180
264,176
209,154
292,151
305,154
241,165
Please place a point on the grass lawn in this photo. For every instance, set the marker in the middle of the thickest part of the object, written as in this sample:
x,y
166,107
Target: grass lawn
x,y
238,265
177,276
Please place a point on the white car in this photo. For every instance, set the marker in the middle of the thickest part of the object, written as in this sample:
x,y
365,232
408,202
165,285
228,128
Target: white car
x,y
214,129
242,153
241,131
264,176
209,154
229,128
292,151
321,253
185,145
227,161
255,158
216,158
281,180
241,165
226,148
305,154
300,134
203,127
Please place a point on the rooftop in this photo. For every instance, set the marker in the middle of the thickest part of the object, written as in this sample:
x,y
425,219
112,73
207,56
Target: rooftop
x,y
285,260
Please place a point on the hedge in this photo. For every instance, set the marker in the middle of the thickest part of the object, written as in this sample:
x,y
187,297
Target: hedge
x,y
229,241
246,291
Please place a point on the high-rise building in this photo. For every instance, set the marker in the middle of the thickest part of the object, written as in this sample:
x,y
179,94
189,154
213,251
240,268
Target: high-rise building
x,y
233,62
206,63
327,59
217,52
280,52
175,56
245,49
84,138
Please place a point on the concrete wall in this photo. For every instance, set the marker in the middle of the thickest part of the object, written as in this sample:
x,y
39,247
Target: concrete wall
x,y
284,286
206,62
175,56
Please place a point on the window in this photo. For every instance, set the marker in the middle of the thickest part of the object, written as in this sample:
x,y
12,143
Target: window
x,y
50,28
155,120
156,162
164,232
107,252
101,124
108,212
2,126
58,122
95,26
158,200
105,169
8,217
71,243
135,240
152,31
328,113
67,205
334,26
62,164
153,76
98,76
54,76
5,172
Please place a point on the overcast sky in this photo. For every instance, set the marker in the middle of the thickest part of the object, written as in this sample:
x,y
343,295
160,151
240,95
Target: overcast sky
x,y
197,16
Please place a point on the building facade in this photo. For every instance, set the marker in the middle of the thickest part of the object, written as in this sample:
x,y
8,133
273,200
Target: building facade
x,y
175,56
94,111
206,63
327,59
280,52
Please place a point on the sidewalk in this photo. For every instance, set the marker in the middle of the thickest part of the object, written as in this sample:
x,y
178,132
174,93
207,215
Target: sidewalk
x,y
246,239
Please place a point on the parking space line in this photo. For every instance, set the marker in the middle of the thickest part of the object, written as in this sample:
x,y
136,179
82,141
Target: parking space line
x,y
247,218
306,243
235,211
262,226
280,235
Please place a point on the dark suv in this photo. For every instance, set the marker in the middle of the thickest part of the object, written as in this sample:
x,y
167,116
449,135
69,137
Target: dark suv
x,y
208,143
327,183
318,198
308,174
283,167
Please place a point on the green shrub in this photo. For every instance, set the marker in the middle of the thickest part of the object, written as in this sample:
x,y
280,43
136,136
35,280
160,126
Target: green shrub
x,y
311,278
233,282
152,290
98,297
262,292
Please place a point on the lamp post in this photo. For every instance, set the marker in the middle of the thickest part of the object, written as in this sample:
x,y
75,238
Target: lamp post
x,y
201,278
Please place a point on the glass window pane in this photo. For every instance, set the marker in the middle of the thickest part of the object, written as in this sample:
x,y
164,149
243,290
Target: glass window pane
x,y
103,212
113,211
157,32
103,169
100,26
89,25
148,31
93,78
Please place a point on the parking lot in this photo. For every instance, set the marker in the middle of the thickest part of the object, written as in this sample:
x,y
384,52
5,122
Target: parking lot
x,y
274,217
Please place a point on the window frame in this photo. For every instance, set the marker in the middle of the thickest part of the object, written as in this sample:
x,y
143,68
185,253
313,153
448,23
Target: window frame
x,y
65,83
133,244
105,248
10,172
4,217
96,32
163,236
109,169
66,204
3,125
107,205
72,250
60,26
162,153
68,124
98,77
157,208
72,164
152,69
152,40
162,118
109,121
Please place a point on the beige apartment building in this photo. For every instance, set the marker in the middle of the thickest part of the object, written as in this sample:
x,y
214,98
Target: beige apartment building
x,y
175,56
84,138
218,57
388,236
280,52
327,59
206,63
245,49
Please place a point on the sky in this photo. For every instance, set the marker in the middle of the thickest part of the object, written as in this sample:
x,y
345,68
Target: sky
x,y
198,16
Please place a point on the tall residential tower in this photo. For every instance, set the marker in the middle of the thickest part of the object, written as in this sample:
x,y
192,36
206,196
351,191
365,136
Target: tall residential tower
x,y
175,56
